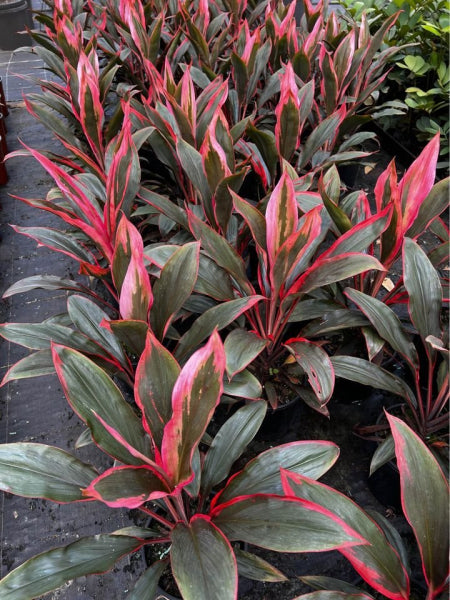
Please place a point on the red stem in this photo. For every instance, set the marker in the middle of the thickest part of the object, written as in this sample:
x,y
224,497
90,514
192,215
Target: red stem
x,y
157,517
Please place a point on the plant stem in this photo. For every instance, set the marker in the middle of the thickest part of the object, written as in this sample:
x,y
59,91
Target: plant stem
x,y
157,517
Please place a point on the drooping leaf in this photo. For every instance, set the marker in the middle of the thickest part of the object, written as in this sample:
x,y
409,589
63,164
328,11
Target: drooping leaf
x,y
254,567
262,474
95,398
50,570
376,561
282,524
319,582
386,323
243,385
316,364
203,562
425,497
362,371
44,282
241,348
424,289
40,471
333,595
229,443
195,395
35,364
88,317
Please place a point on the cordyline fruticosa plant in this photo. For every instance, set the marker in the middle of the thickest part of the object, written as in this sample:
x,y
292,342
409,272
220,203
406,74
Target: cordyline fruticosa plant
x,y
424,496
163,469
283,92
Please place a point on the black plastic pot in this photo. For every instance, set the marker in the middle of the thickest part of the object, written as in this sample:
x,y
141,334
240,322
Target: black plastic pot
x,y
15,16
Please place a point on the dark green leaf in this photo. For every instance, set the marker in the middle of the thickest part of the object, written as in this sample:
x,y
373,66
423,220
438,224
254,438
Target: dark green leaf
x,y
241,348
34,365
203,562
48,571
147,584
254,567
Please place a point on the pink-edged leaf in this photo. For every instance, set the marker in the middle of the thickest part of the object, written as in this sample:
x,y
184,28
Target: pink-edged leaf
x,y
362,235
241,348
283,524
418,181
41,471
129,273
425,497
92,222
127,487
203,561
123,177
281,216
156,374
91,114
262,474
294,255
214,158
50,570
92,394
195,395
316,364
329,86
329,270
254,219
376,561
57,240
287,115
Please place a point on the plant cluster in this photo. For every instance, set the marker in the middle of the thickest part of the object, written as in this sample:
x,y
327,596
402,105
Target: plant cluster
x,y
199,190
418,83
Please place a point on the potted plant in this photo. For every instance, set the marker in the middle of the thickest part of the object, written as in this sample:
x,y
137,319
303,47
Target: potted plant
x,y
162,468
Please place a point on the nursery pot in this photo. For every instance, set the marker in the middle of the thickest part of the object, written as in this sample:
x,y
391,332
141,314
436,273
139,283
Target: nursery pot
x,y
15,16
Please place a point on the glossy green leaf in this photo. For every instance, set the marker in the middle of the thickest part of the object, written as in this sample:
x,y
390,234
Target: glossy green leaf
x,y
147,584
92,394
57,240
376,561
335,320
216,317
362,371
203,561
44,282
330,270
386,323
40,471
39,336
218,248
132,334
282,524
164,205
35,364
230,442
254,567
50,570
174,286
424,289
191,161
383,454
243,385
425,499
88,317
241,348
262,474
